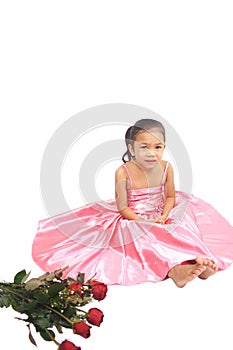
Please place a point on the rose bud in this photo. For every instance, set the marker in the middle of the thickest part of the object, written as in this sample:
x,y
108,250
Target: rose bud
x,y
67,345
76,288
99,290
95,316
81,328
93,283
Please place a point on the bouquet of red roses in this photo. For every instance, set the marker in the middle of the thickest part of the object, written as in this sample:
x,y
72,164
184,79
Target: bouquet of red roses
x,y
50,303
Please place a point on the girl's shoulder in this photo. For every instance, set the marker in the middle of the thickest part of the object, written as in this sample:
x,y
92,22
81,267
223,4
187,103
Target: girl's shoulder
x,y
166,165
122,167
168,172
124,173
121,171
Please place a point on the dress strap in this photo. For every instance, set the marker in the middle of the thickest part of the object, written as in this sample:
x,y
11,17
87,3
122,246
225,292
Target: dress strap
x,y
164,174
129,176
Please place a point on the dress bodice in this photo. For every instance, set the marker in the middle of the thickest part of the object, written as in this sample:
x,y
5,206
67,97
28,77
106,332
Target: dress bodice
x,y
147,202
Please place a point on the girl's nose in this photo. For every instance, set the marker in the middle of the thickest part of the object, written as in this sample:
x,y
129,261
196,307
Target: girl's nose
x,y
152,153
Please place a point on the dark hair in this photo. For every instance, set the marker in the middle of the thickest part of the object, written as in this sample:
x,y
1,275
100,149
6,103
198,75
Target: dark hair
x,y
140,125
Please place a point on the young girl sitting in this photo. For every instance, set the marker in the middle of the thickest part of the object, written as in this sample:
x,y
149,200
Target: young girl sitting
x,y
150,232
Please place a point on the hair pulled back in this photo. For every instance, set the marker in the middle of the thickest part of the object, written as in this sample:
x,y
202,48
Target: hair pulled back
x,y
140,125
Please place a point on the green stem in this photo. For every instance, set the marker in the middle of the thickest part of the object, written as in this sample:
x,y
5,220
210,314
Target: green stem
x,y
59,313
51,337
14,292
81,311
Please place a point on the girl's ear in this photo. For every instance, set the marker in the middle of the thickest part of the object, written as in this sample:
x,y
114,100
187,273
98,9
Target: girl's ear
x,y
130,148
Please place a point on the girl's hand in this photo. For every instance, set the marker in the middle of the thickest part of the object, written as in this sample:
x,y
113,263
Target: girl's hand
x,y
161,219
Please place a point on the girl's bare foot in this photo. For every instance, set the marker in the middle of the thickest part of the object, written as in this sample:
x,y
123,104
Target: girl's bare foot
x,y
211,267
182,274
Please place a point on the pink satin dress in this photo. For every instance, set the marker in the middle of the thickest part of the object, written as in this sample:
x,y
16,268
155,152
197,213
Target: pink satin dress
x,y
96,240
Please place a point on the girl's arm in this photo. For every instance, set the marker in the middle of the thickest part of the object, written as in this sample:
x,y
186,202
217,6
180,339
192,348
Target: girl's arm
x,y
121,195
169,188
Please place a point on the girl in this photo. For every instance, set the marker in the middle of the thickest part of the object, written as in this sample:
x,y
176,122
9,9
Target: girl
x,y
148,233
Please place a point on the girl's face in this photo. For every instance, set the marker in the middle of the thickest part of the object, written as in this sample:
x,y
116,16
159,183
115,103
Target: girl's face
x,y
148,148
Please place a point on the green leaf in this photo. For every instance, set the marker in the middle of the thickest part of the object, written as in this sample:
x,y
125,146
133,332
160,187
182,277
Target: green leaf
x,y
25,277
47,276
5,301
14,304
19,276
80,277
70,311
33,283
41,322
32,305
19,306
59,320
25,306
48,337
55,288
41,296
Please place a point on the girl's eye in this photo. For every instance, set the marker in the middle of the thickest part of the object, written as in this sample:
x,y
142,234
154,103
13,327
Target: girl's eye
x,y
156,147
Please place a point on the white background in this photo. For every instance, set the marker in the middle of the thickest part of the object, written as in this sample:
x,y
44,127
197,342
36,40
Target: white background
x,y
173,57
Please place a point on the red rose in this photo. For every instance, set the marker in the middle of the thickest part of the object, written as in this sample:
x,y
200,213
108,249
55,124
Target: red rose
x,y
76,288
93,283
95,316
67,345
99,290
81,328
